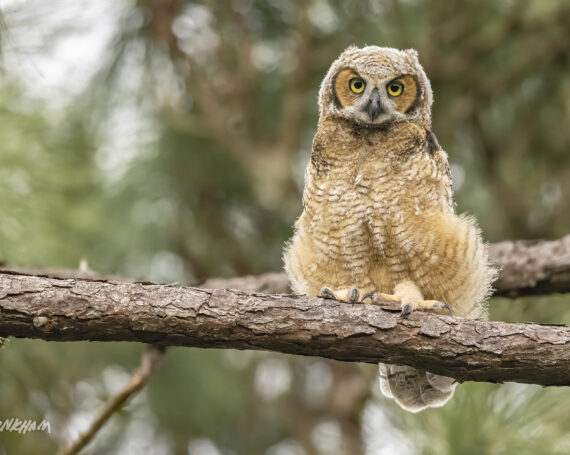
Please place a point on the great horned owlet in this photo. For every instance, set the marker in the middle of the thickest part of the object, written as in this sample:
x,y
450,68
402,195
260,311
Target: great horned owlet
x,y
379,214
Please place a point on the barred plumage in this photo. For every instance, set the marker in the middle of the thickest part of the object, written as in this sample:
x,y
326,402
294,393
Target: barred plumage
x,y
379,213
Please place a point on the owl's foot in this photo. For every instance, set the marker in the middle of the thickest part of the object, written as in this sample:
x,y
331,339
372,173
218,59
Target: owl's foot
x,y
379,298
408,307
351,295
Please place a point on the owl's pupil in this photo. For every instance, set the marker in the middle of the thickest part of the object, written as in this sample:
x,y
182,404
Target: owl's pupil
x,y
358,85
394,87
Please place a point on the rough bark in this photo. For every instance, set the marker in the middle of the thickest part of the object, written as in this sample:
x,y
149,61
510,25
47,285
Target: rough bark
x,y
268,283
78,309
532,267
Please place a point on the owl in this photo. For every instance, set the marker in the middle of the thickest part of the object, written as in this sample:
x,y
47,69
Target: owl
x,y
378,208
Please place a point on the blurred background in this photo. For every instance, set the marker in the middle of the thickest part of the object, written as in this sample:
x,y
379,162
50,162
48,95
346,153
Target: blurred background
x,y
166,141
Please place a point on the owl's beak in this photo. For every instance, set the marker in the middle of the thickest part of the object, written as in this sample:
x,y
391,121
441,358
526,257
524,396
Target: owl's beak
x,y
374,106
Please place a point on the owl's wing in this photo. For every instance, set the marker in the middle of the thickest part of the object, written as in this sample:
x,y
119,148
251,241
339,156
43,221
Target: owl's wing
x,y
440,158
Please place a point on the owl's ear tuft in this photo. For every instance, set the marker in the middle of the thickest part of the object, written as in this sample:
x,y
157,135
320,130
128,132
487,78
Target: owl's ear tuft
x,y
412,52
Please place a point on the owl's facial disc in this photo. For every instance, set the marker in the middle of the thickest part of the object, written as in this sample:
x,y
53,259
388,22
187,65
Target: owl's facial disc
x,y
372,99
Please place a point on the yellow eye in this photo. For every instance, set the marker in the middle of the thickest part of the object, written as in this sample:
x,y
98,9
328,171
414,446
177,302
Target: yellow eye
x,y
395,88
357,85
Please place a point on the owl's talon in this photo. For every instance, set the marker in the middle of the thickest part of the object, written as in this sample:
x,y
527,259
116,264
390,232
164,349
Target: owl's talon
x,y
353,295
326,293
433,305
368,295
424,305
406,310
440,306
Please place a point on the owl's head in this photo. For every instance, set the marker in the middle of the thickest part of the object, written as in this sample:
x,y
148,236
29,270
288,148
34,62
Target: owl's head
x,y
375,86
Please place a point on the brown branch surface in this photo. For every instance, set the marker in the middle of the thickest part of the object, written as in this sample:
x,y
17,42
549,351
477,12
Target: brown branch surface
x,y
532,267
75,309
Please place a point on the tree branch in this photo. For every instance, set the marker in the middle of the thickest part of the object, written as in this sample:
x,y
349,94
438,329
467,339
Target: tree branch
x,y
75,309
532,267
149,361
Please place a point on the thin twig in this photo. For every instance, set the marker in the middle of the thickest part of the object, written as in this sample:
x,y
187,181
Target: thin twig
x,y
149,361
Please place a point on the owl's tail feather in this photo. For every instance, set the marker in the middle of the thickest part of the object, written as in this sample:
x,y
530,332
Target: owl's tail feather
x,y
415,390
